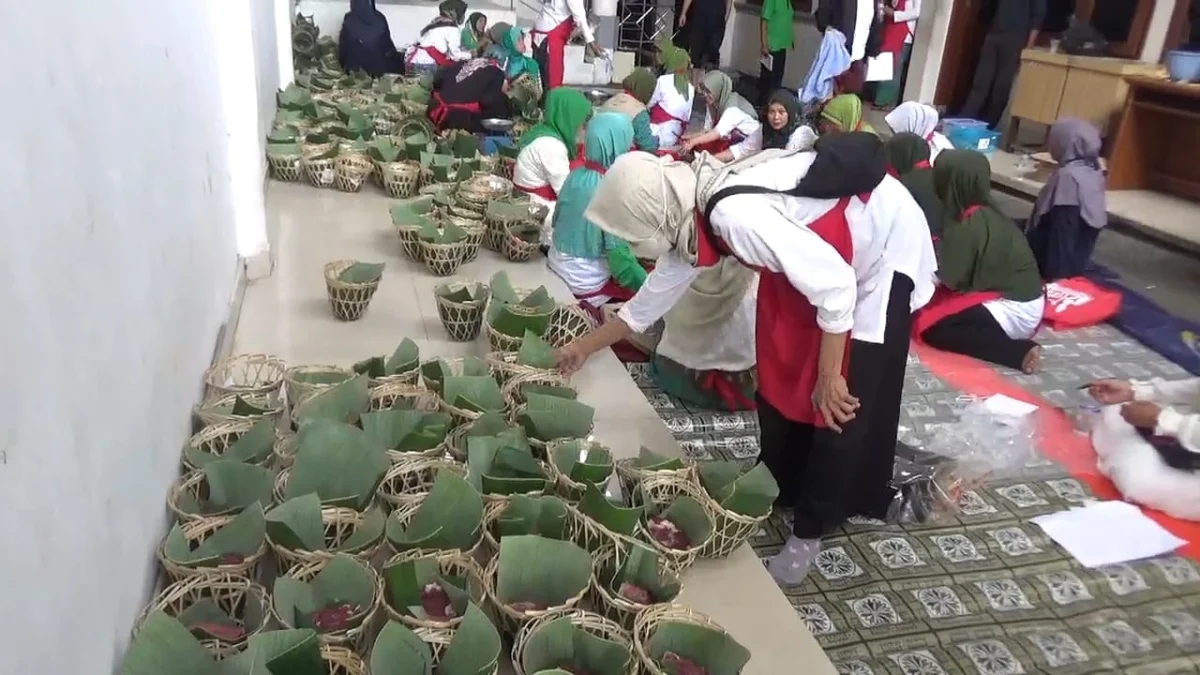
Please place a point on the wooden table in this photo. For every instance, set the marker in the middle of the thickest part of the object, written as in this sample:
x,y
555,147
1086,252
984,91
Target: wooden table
x,y
1157,145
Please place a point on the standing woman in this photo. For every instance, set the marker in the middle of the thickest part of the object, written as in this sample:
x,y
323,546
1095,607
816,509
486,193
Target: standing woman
x,y
1071,209
920,119
474,32
703,22
547,149
908,160
671,103
896,36
842,114
440,43
638,86
784,128
551,32
842,252
736,132
365,42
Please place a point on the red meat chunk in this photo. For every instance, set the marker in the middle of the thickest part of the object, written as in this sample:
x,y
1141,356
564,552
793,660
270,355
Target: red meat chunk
x,y
436,603
334,618
682,666
635,594
668,534
220,631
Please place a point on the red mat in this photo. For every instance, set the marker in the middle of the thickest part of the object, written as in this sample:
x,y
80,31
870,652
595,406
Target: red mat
x,y
1059,440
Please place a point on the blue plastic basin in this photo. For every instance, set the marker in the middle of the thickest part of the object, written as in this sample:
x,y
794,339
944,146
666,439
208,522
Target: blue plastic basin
x,y
1183,66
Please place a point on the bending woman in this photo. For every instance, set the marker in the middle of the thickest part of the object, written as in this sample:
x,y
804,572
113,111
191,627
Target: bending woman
x,y
465,94
920,119
908,160
842,114
440,43
638,87
547,149
1071,209
991,302
785,127
671,103
595,265
737,132
831,265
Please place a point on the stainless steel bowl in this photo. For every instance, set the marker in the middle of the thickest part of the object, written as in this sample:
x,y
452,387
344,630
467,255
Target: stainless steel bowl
x,y
598,96
497,124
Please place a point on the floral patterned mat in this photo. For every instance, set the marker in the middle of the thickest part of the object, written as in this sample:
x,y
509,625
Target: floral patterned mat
x,y
983,592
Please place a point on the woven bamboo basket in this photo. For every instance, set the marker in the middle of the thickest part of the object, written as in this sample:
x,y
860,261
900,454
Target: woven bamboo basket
x,y
589,622
342,661
403,515
411,479
355,638
477,191
196,531
500,342
511,620
730,530
348,301
191,483
475,230
410,377
217,439
350,172
632,476
442,260
498,224
456,443
299,390
521,242
506,167
244,374
617,607
318,170
660,491
568,324
512,388
489,163
456,367
410,241
583,531
569,489
213,410
285,166
222,652
407,396
539,445
505,366
238,596
284,449
438,640
384,124
460,416
462,320
450,563
648,621
339,523
400,179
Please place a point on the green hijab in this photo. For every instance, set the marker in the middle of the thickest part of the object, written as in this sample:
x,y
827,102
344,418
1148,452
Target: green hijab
x,y
724,97
904,152
981,248
517,63
453,9
565,112
846,111
640,83
470,36
609,135
675,60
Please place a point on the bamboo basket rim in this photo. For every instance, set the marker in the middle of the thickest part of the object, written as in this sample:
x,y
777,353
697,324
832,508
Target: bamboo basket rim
x,y
396,390
591,622
214,431
336,267
470,568
498,341
519,618
271,363
678,486
202,528
565,481
272,404
405,512
481,300
650,618
615,601
305,571
189,481
180,590
297,391
416,465
410,376
730,529
345,659
330,514
505,363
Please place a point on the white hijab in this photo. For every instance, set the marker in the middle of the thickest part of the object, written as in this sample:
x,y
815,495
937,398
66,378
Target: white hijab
x,y
922,120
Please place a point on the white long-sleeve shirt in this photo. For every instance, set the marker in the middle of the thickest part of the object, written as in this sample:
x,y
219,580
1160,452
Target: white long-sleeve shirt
x,y
445,39
747,126
543,162
675,104
555,12
1180,416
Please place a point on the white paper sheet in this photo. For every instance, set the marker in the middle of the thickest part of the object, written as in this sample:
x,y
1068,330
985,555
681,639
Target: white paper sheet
x,y
1107,533
879,68
767,62
999,404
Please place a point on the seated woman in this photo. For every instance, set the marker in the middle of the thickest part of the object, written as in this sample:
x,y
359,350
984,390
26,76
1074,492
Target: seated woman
x,y
365,42
638,87
920,119
785,128
843,113
466,93
990,302
670,105
597,267
736,132
440,43
1148,442
474,32
548,148
1071,209
908,161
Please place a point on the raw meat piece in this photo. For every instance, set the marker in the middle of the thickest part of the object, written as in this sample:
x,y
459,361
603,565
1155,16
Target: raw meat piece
x,y
220,631
668,534
682,666
436,603
635,594
333,618
233,559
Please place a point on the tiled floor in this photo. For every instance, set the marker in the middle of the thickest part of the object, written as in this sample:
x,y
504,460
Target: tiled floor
x,y
287,314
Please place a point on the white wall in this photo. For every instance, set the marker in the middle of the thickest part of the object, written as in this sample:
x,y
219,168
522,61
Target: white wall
x,y
118,261
742,48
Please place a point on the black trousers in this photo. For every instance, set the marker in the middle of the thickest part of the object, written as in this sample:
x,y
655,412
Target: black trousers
x,y
999,60
769,81
827,476
974,332
541,55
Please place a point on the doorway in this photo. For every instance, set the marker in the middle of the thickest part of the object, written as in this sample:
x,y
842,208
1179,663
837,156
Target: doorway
x,y
961,54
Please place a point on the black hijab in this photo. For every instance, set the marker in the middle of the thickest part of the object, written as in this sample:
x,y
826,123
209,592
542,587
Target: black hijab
x,y
847,164
778,138
908,155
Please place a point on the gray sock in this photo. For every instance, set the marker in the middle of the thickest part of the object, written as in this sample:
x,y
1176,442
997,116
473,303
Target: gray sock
x,y
790,566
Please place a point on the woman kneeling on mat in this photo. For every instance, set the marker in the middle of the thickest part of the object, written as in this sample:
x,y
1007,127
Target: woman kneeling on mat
x,y
467,93
670,105
736,132
638,87
843,255
908,160
990,302
548,148
440,43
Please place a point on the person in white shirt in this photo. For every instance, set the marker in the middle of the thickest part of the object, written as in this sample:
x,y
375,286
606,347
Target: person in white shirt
x,y
1148,442
547,149
737,131
899,26
844,257
920,119
671,103
551,32
785,128
440,43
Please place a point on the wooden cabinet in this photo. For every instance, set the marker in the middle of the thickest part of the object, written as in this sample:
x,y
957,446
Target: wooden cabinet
x,y
1159,139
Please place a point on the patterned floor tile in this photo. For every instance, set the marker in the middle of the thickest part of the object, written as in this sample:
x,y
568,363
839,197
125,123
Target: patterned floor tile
x,y
840,566
1054,648
960,550
826,620
1068,590
1132,584
1124,637
940,604
897,555
1017,543
986,650
877,612
1004,596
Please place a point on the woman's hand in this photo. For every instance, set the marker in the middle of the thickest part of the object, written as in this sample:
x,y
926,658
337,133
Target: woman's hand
x,y
1141,414
1110,392
572,357
832,399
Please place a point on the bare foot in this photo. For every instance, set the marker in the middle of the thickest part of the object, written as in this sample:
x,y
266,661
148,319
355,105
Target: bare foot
x,y
1033,360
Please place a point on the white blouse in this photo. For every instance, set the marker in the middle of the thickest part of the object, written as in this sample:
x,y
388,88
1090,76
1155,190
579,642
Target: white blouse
x,y
543,162
445,39
675,104
803,138
736,119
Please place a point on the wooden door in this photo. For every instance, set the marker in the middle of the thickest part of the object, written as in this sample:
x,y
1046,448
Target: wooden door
x,y
963,38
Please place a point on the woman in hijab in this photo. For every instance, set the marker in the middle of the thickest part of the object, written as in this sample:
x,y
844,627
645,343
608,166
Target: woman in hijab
x,y
1071,209
736,132
440,43
474,32
990,301
513,47
597,267
843,113
547,149
670,105
493,38
908,160
365,42
920,119
467,93
785,128
638,86
843,256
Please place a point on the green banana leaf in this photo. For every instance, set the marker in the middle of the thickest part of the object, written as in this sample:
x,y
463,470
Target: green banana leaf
x,y
283,134
233,542
321,377
405,358
372,367
240,408
648,460
491,424
293,97
545,572
495,467
435,371
338,463
474,649
343,580
415,144
164,645
284,149
619,519
750,493
508,151
405,580
296,525
502,286
689,516
253,446
526,388
208,620
560,643
344,402
449,518
448,233
536,352
514,317
715,651
362,273
645,568
412,211
543,516
289,116
464,144
384,149
583,461
479,393
398,651
461,294
549,418
280,652
406,430
229,487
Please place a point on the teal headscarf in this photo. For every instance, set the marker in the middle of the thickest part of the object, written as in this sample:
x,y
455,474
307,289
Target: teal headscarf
x,y
609,135
515,62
